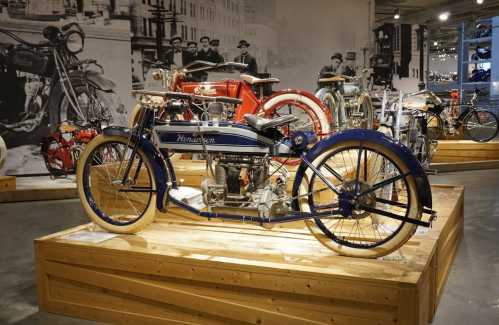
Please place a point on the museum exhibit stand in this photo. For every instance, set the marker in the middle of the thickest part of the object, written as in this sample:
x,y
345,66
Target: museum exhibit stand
x,y
184,269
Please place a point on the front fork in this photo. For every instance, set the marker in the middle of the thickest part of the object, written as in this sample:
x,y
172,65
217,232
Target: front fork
x,y
145,122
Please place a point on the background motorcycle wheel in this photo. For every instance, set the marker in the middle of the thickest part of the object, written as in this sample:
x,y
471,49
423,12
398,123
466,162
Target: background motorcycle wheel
x,y
331,102
3,152
365,234
312,116
87,96
105,204
52,167
434,126
365,107
481,125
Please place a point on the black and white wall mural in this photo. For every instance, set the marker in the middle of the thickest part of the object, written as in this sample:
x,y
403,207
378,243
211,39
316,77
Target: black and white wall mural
x,y
112,44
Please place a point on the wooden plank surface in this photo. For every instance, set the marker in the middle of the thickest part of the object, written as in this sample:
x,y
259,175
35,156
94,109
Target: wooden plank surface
x,y
179,271
459,151
7,183
40,188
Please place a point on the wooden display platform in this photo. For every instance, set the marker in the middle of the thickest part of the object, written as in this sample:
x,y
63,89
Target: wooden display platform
x,y
187,272
38,189
7,183
455,155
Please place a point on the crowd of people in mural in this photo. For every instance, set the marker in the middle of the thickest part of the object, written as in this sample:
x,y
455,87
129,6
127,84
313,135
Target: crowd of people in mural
x,y
206,50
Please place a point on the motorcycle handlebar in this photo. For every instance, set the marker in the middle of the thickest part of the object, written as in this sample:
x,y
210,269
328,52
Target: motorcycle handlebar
x,y
22,41
213,66
187,96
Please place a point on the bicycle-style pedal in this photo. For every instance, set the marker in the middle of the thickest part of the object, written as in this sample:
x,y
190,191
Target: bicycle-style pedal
x,y
433,215
431,171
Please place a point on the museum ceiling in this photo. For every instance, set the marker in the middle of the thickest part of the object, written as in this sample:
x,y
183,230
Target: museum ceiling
x,y
427,11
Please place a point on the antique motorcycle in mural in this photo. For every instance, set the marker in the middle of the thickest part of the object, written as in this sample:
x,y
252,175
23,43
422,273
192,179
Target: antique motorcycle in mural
x,y
57,82
47,79
360,193
256,95
350,107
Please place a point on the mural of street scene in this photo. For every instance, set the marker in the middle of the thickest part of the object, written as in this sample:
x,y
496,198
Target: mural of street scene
x,y
287,39
60,94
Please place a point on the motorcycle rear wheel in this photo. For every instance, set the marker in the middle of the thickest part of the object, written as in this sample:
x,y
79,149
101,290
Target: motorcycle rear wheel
x,y
108,202
360,234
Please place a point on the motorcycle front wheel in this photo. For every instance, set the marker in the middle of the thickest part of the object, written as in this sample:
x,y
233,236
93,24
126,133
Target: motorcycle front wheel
x,y
481,125
116,203
372,176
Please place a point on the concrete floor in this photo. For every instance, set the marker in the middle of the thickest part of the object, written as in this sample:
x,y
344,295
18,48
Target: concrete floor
x,y
471,295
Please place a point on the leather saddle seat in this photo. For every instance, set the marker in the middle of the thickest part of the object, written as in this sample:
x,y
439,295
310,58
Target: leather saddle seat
x,y
261,124
256,81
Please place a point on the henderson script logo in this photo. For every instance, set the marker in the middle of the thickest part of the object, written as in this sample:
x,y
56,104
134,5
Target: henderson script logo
x,y
181,138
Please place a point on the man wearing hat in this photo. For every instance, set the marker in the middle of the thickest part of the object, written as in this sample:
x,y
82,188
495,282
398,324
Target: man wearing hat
x,y
334,67
245,58
205,53
216,56
192,52
176,56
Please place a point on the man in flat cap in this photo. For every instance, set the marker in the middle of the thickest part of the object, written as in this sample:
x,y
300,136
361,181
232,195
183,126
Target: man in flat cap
x,y
334,67
246,58
205,53
192,52
176,56
216,56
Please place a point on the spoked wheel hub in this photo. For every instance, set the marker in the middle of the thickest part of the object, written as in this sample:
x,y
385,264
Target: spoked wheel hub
x,y
350,201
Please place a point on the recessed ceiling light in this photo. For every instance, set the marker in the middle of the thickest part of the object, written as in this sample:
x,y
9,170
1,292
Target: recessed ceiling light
x,y
397,14
444,16
435,43
479,2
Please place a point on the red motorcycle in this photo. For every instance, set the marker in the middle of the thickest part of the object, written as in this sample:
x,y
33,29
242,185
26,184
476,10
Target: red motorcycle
x,y
256,94
61,150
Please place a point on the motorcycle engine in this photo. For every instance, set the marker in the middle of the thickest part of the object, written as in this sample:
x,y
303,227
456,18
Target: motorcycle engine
x,y
247,182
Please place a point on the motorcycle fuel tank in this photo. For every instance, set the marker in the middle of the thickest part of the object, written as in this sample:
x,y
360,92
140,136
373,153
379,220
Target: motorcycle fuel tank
x,y
223,137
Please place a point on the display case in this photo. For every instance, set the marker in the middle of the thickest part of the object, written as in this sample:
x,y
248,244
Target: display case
x,y
478,60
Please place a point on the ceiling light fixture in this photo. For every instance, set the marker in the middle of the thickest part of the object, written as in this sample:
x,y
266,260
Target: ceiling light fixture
x,y
444,16
435,43
479,2
397,14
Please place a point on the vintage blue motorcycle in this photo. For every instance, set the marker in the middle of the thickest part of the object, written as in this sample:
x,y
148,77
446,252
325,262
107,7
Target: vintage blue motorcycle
x,y
359,192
